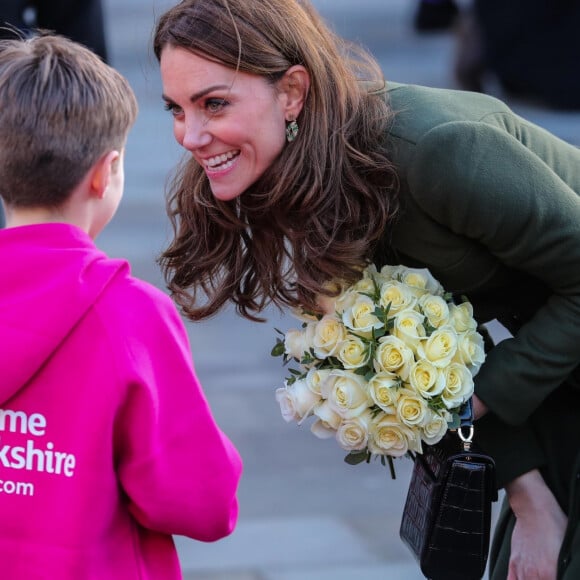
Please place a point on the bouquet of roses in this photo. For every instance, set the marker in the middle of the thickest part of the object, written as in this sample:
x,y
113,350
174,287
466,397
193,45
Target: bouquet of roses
x,y
389,366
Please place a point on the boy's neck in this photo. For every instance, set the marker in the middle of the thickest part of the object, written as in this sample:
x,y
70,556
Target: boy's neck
x,y
28,216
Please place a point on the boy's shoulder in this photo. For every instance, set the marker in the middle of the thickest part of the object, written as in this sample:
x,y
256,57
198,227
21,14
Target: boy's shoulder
x,y
134,303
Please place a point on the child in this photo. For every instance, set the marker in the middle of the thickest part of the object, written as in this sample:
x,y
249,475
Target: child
x,y
107,443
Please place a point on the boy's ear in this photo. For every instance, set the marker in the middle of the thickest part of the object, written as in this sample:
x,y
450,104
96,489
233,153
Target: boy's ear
x,y
101,173
295,85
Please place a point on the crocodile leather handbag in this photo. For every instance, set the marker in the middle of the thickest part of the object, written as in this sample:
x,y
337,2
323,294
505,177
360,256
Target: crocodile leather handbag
x,y
447,515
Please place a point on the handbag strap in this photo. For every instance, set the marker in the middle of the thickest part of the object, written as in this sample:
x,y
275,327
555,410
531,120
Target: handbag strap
x,y
465,430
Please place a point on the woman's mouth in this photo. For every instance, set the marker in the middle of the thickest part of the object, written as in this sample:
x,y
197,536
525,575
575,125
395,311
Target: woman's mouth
x,y
221,162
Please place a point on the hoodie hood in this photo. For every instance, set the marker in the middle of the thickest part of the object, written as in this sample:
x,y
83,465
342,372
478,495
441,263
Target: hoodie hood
x,y
50,276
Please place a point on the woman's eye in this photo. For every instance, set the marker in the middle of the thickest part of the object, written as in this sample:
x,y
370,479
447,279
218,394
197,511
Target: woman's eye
x,y
174,109
215,105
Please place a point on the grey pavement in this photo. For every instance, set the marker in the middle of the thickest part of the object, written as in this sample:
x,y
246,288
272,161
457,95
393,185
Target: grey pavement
x,y
304,513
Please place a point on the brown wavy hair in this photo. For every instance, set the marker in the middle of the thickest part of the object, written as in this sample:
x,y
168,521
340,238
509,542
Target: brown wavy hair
x,y
318,211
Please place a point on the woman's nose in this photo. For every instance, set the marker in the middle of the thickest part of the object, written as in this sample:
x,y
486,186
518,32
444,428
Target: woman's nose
x,y
196,134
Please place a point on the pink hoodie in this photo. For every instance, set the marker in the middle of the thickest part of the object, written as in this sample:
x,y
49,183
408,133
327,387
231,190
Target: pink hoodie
x,y
107,443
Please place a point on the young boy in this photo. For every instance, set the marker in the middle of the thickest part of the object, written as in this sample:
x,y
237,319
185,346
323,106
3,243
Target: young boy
x,y
107,443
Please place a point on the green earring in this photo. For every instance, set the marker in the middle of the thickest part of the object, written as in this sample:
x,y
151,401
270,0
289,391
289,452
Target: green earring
x,y
291,131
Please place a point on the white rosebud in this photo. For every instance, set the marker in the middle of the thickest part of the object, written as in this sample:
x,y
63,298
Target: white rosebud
x,y
353,352
384,391
397,297
411,408
387,436
458,385
360,317
353,434
346,393
329,332
393,356
440,347
426,379
461,317
435,309
296,401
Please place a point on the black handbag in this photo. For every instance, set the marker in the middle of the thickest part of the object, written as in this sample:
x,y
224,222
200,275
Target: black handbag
x,y
447,515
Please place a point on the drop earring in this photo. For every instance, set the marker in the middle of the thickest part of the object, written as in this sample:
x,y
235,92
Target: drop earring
x,y
291,130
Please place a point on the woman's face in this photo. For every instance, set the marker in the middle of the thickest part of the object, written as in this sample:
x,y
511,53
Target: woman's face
x,y
232,123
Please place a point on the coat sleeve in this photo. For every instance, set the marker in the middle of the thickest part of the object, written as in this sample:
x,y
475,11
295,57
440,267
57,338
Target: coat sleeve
x,y
518,197
178,469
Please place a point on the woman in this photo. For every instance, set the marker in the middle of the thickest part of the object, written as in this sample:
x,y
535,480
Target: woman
x,y
305,165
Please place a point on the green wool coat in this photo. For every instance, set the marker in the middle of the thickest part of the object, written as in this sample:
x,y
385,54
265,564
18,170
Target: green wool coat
x,y
490,203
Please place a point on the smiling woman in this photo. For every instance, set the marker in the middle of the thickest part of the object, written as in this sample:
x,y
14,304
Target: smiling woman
x,y
306,166
232,122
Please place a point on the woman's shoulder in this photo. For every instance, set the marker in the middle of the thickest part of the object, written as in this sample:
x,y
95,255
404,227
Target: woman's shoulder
x,y
419,109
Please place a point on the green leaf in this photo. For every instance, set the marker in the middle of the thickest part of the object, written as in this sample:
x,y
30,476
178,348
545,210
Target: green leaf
x,y
278,349
356,457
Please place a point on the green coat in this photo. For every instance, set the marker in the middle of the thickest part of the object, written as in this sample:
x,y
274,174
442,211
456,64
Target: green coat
x,y
490,203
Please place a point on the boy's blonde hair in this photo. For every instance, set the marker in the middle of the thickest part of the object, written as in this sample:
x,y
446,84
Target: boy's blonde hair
x,y
61,108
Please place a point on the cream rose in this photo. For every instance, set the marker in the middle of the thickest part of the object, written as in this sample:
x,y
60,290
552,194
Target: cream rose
x,y
471,351
393,356
387,436
296,401
297,342
435,426
329,332
458,385
384,391
346,393
435,309
440,347
353,353
408,326
396,296
426,379
314,379
411,408
353,434
360,317
461,317
420,280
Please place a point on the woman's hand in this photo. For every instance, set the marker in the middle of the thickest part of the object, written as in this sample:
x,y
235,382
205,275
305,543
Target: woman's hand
x,y
479,407
539,529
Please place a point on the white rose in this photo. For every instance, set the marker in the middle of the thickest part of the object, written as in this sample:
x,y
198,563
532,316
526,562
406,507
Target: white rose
x,y
329,332
353,352
471,350
389,437
297,342
396,296
384,390
346,393
440,347
408,326
458,385
315,377
353,434
435,309
461,317
322,430
327,416
360,317
393,356
296,401
426,379
346,300
436,425
411,408
420,279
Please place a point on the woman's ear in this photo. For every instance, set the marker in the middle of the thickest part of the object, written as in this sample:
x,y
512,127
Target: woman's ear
x,y
294,85
101,173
